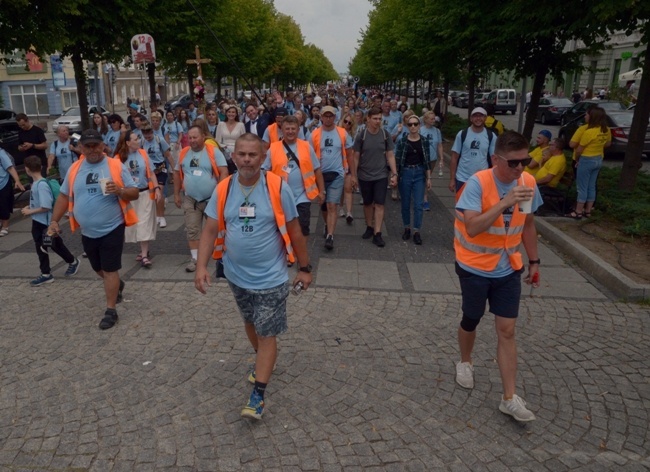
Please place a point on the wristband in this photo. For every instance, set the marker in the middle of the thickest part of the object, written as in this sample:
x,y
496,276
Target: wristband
x,y
534,261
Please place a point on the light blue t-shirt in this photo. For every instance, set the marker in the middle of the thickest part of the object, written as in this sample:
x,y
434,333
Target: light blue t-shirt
x,y
267,138
331,159
397,114
5,164
471,199
111,139
191,114
255,255
296,184
159,132
41,196
198,179
135,164
64,156
156,149
173,129
434,140
96,213
390,122
474,153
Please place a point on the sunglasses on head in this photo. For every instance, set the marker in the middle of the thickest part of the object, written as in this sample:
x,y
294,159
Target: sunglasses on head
x,y
513,163
414,124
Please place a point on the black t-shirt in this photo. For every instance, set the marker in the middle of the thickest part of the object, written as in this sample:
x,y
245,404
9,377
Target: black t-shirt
x,y
34,135
414,153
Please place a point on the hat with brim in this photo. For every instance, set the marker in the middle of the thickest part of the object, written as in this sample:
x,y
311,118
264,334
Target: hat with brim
x,y
91,136
480,111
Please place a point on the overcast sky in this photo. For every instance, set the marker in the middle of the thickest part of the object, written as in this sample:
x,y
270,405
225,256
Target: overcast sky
x,y
332,25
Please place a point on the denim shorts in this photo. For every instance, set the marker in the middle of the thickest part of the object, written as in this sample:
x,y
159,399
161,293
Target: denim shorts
x,y
266,309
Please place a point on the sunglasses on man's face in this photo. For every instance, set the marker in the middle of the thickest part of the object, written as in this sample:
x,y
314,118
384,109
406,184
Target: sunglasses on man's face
x,y
513,163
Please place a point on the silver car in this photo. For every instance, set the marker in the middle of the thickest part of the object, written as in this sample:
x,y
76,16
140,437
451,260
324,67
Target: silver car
x,y
72,117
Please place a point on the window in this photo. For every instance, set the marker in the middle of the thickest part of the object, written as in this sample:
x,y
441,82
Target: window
x,y
70,98
29,99
634,63
617,71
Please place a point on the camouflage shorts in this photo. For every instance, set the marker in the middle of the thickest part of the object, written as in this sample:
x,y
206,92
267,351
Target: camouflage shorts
x,y
266,309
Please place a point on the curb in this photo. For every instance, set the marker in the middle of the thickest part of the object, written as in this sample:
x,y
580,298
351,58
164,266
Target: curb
x,y
621,285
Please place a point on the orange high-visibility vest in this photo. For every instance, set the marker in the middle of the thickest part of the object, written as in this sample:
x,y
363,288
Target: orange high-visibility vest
x,y
274,187
274,136
115,168
213,162
280,160
484,250
315,137
145,157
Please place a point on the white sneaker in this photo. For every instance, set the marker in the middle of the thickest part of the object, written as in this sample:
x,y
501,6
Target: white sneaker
x,y
465,374
341,213
191,267
516,408
162,222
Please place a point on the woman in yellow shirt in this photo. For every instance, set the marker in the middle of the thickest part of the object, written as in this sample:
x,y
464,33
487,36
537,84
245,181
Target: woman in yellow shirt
x,y
589,159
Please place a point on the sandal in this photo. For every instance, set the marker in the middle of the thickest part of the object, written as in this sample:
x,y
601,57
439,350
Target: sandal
x,y
588,215
146,263
574,215
139,257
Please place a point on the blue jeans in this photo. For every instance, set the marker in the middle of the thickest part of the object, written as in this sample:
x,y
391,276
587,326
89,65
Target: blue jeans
x,y
588,169
411,184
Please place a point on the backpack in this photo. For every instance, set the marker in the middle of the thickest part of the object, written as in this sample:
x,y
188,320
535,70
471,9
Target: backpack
x,y
55,188
363,138
493,126
463,136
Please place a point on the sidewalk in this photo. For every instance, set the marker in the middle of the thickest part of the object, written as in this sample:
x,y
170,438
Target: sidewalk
x,y
364,379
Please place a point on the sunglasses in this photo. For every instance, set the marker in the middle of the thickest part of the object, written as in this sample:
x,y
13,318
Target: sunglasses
x,y
414,124
347,122
513,163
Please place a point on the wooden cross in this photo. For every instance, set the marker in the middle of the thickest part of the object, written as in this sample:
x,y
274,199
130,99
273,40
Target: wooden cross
x,y
198,61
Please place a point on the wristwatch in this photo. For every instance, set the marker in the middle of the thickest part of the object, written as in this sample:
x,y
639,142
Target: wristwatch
x,y
307,269
534,261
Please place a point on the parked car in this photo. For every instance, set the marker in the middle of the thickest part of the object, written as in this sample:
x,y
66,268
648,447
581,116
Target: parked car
x,y
461,100
9,135
182,100
619,123
72,117
580,108
210,97
551,109
504,100
480,99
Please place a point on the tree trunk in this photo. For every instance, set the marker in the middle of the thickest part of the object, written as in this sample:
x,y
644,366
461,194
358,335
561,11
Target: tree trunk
x,y
218,85
471,85
234,87
415,93
190,81
638,130
151,75
538,84
82,89
428,100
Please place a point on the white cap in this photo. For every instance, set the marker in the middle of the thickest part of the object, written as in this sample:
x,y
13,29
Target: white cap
x,y
480,110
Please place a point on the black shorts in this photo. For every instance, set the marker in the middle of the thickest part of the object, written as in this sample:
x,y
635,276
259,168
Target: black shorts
x,y
162,178
105,253
374,191
503,293
304,215
7,200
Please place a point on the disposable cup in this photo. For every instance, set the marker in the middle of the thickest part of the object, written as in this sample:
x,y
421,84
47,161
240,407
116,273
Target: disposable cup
x,y
526,206
102,184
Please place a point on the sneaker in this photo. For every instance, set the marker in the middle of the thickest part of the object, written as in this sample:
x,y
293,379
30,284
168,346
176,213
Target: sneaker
x,y
341,213
325,232
349,219
4,232
73,268
426,206
516,408
109,320
162,222
120,297
406,234
393,194
251,373
42,279
465,374
417,239
377,241
254,408
369,233
84,255
191,267
329,242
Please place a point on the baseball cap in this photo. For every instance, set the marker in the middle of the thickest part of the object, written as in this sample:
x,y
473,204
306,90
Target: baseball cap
x,y
328,109
134,106
479,110
90,136
280,111
547,134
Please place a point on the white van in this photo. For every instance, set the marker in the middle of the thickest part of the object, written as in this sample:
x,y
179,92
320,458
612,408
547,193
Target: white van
x,y
504,100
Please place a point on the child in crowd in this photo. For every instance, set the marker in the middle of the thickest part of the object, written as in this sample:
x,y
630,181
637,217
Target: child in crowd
x,y
41,202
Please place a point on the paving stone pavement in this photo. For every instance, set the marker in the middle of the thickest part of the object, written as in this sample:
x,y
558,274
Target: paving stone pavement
x,y
365,375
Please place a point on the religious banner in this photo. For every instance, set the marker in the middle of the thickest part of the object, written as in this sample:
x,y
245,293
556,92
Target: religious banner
x,y
143,49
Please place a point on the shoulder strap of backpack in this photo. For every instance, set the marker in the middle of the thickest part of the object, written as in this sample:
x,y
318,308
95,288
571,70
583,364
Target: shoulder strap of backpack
x,y
463,137
490,136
